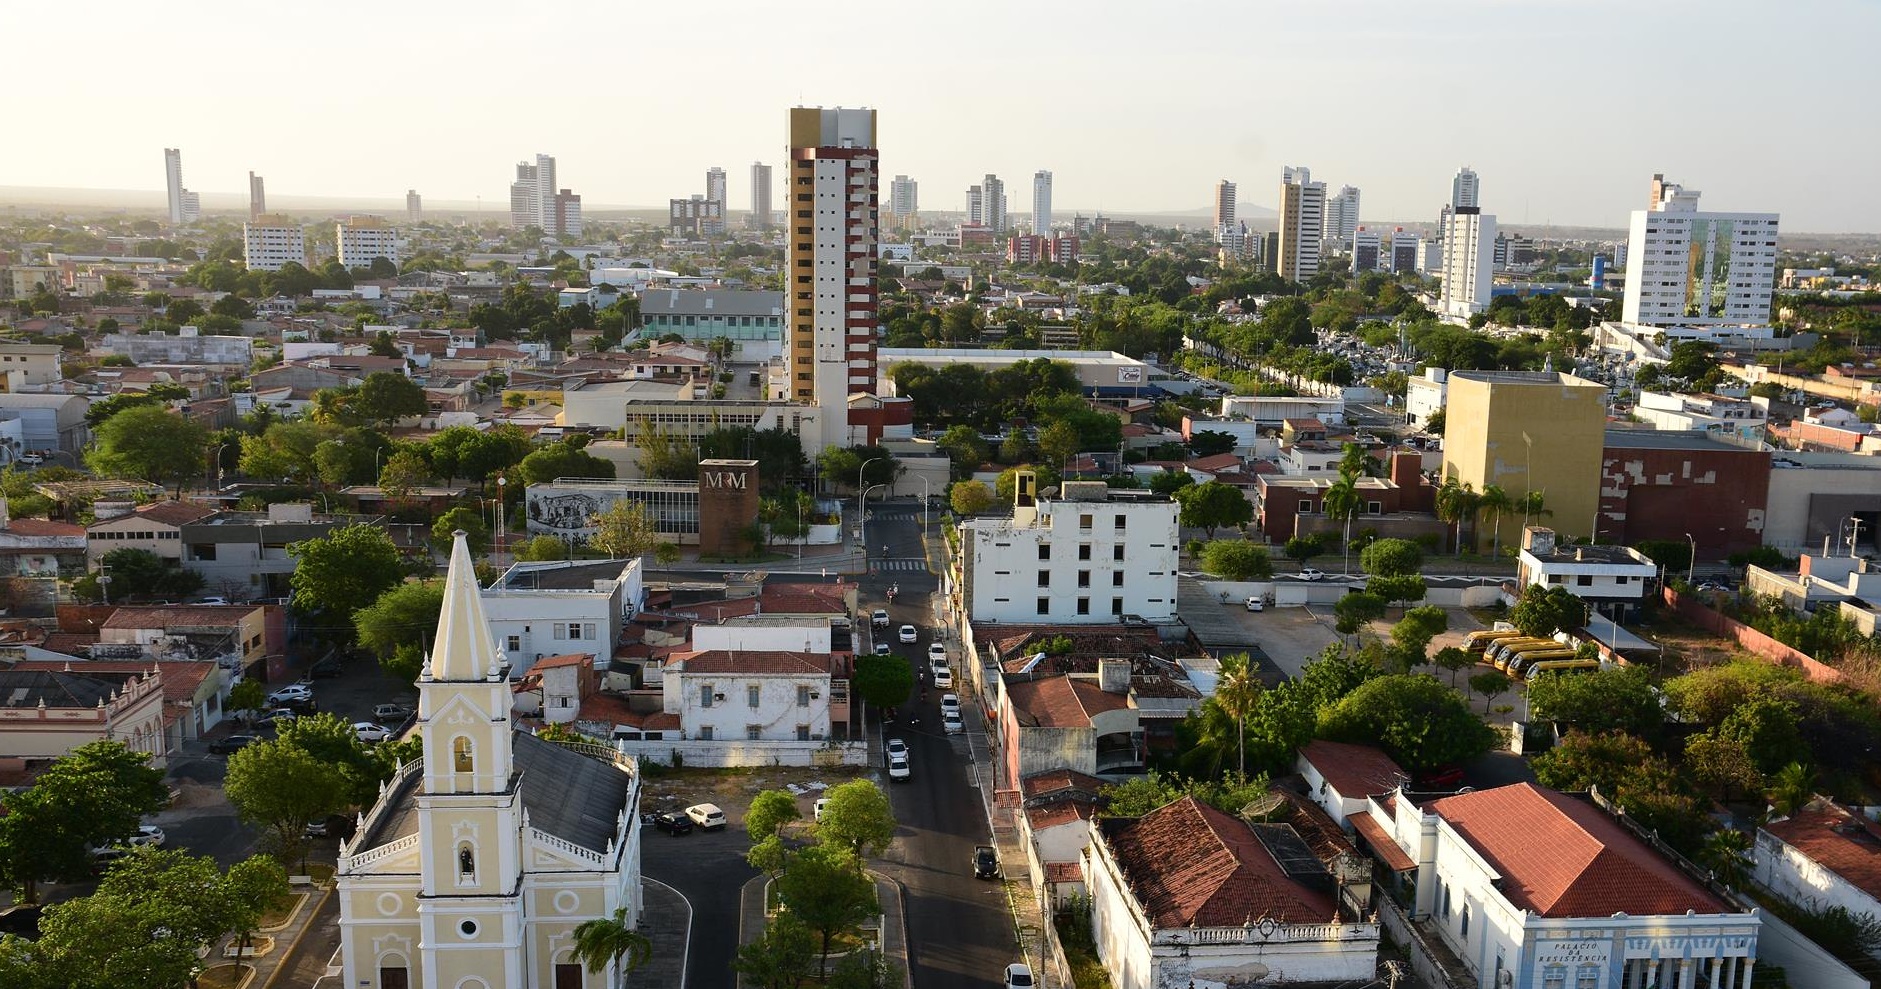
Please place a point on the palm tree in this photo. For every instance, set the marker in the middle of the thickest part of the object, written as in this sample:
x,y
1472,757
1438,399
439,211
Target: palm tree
x,y
1495,501
604,942
1456,502
1532,506
1342,502
1237,690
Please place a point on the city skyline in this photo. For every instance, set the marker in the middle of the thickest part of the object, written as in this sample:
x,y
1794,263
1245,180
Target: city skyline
x,y
1120,142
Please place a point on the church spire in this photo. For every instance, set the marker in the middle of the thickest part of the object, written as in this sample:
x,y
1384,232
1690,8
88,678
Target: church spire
x,y
463,649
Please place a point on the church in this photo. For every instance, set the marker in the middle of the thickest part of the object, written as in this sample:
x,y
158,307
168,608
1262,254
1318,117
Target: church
x,y
477,863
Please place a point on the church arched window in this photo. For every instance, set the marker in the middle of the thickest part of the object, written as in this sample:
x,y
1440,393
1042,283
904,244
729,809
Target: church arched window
x,y
461,760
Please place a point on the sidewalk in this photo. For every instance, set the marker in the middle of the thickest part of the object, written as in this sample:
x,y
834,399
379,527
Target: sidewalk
x,y
752,920
667,922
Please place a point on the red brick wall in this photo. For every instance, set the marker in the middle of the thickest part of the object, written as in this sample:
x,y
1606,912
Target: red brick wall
x,y
1719,496
1749,638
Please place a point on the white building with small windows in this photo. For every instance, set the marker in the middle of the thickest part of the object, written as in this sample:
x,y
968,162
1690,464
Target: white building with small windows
x,y
479,860
1605,576
1090,555
272,240
560,607
723,695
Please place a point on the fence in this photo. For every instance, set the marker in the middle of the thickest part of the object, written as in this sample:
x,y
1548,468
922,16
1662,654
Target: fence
x,y
1749,639
730,753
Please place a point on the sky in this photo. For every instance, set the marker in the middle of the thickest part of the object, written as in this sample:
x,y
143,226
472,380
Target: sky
x,y
1565,109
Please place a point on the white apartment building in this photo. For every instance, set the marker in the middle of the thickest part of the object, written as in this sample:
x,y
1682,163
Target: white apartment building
x,y
1691,268
715,185
1367,250
272,240
1302,221
760,195
1091,555
1342,215
1465,188
904,200
1613,576
543,195
830,343
362,238
1423,396
1468,262
522,196
1735,417
561,607
185,206
976,206
1041,202
414,206
23,365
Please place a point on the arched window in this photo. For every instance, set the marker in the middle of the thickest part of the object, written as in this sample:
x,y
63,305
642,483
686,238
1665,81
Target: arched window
x,y
466,863
460,755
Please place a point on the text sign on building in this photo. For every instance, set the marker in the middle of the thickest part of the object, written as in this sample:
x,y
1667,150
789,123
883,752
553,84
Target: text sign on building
x,y
725,479
1129,375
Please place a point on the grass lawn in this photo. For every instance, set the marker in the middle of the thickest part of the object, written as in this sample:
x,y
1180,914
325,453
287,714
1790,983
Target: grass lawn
x,y
320,871
222,976
279,915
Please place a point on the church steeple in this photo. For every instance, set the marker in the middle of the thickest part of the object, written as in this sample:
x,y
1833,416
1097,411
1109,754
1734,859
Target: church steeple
x,y
464,649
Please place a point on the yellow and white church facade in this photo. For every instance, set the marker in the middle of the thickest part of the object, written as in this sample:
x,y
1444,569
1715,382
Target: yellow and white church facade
x,y
476,864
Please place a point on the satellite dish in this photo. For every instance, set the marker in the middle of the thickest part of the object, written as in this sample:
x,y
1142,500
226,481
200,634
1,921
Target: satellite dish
x,y
1262,806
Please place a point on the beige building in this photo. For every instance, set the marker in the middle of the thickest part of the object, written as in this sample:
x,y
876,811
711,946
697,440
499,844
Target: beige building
x,y
479,860
47,712
1527,431
157,527
28,365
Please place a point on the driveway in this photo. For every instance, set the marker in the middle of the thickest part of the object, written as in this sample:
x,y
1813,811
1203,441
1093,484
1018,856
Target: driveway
x,y
1290,637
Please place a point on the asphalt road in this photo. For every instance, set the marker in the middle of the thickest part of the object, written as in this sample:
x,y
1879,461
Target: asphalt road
x,y
708,868
960,929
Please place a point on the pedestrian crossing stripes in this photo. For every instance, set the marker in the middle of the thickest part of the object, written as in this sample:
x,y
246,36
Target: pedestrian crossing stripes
x,y
915,563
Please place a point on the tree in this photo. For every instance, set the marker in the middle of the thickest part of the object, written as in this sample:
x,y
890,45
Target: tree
x,y
1456,502
1351,612
282,787
404,473
1168,482
1599,701
1491,684
884,681
1211,505
247,696
1542,613
1301,548
1413,632
623,531
777,450
286,451
964,449
150,443
93,796
666,455
857,818
825,888
1237,559
1237,691
386,397
137,573
1767,728
1392,558
402,618
563,460
103,409
970,497
332,740
1721,765
770,810
1418,720
1210,442
610,942
1495,501
1455,660
251,888
463,519
1058,441
1139,795
1408,587
780,958
1341,502
341,572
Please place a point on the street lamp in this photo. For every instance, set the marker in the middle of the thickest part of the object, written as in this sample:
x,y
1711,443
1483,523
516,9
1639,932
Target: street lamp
x,y
218,465
1691,566
376,454
924,497
104,587
862,523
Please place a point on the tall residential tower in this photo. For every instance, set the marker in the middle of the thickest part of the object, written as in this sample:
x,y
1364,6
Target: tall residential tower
x,y
1041,202
993,204
1342,216
1224,204
831,338
257,196
1693,268
185,206
760,196
904,202
1302,220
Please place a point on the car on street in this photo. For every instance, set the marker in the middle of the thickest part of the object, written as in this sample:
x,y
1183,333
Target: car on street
x,y
1308,573
896,747
950,702
1019,976
707,816
936,654
908,634
290,694
943,678
951,723
898,771
393,713
879,618
985,862
231,743
211,599
673,824
148,834
31,459
370,732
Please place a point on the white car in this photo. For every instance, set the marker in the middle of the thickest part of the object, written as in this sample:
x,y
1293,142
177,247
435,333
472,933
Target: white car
x,y
1255,603
1019,976
1308,573
706,816
32,459
879,617
148,834
369,732
951,723
293,693
936,654
943,678
896,748
908,634
898,771
950,702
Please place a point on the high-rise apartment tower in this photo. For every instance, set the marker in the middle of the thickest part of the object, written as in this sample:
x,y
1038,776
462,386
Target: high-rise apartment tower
x,y
1302,221
830,343
1041,202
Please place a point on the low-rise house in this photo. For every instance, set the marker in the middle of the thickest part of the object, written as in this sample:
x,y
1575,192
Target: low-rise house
x,y
1098,722
237,637
1342,777
1534,889
1822,857
39,547
1055,824
1188,893
156,527
560,607
244,554
554,688
754,696
1612,579
47,710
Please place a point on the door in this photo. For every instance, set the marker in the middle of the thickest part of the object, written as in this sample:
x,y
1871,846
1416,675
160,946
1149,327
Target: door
x,y
394,978
567,976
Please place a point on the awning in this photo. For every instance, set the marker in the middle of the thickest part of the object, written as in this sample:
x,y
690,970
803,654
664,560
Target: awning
x,y
1381,844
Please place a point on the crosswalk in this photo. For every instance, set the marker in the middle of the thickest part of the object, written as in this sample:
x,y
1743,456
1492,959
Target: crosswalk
x,y
902,564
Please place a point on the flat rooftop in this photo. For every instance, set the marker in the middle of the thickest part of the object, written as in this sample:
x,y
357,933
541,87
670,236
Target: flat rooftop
x,y
576,576
1672,439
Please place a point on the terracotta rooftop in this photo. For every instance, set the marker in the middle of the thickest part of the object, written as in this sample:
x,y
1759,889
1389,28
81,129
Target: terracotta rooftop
x,y
1380,841
173,615
1064,872
1061,702
1354,770
1843,843
1216,463
42,528
1190,864
1561,857
750,662
1055,780
555,662
166,512
1060,812
181,678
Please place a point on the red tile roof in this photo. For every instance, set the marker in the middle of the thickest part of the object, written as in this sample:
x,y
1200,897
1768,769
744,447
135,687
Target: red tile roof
x,y
1374,834
1560,857
1190,864
166,512
554,662
42,528
1060,812
750,662
1843,843
1053,780
1064,872
1061,702
171,616
1354,770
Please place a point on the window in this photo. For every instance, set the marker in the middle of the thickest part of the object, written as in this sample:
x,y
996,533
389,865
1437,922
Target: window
x,y
1116,552
705,695
1446,901
1554,977
1121,523
1044,578
803,696
1116,578
705,733
1464,927
1084,578
1044,606
1084,606
1084,522
751,695
1044,551
1374,508
1084,551
754,732
803,733
1116,606
1587,976
512,643
1584,580
1306,504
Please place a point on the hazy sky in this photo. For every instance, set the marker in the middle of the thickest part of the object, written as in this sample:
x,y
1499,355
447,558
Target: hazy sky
x,y
1564,108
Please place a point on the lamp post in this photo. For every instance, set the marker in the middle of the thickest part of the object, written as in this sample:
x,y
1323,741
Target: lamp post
x,y
800,532
376,454
1691,566
862,523
104,587
924,497
218,464
496,552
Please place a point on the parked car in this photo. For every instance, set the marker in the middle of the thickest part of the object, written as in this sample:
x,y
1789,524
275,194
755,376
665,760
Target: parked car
x,y
289,694
1308,573
818,808
211,599
707,816
881,649
1440,779
31,459
148,834
985,862
337,825
898,771
1256,603
673,824
370,732
879,618
951,723
950,702
231,743
936,654
909,635
391,713
1019,976
943,678
896,747
275,718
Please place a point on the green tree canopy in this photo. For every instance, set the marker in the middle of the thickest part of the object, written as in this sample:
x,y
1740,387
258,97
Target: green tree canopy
x,y
1542,613
93,796
824,888
857,818
563,460
1139,795
970,497
623,531
770,810
396,626
1419,721
884,681
137,574
1599,701
1392,558
282,787
1211,505
150,443
341,572
1237,559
